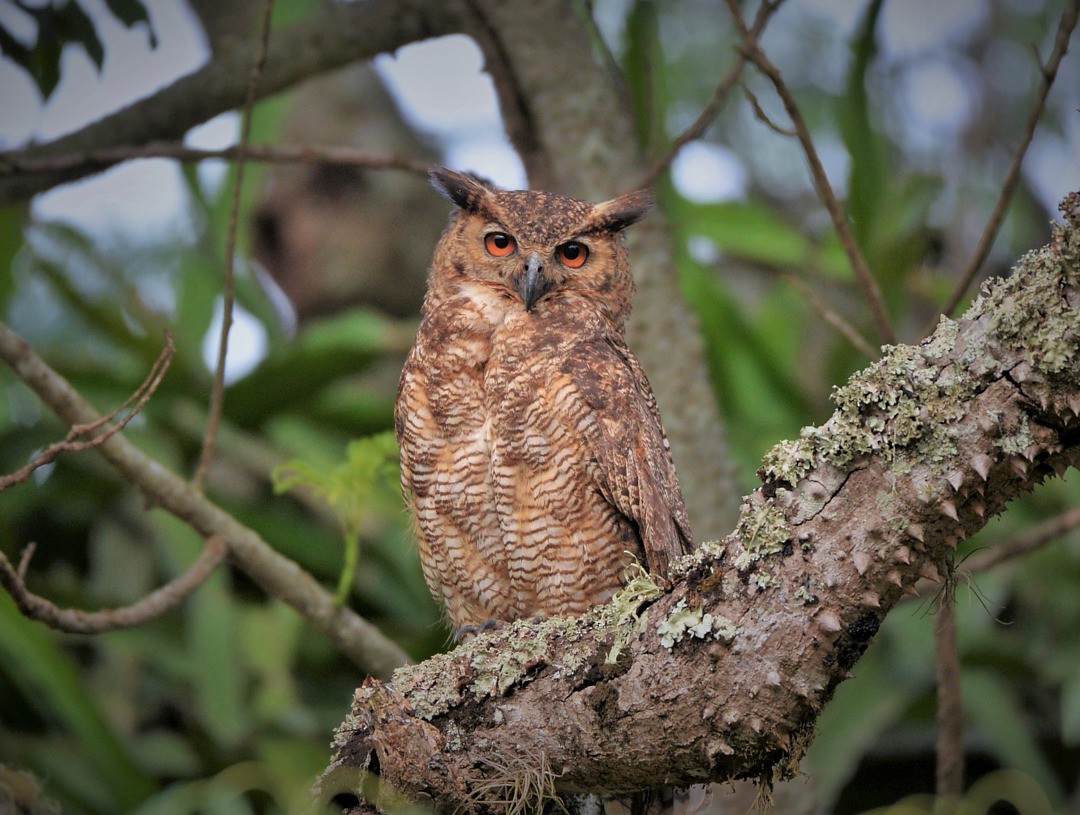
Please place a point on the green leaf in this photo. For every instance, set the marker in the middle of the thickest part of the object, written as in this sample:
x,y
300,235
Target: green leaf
x,y
869,171
856,718
349,489
51,682
993,706
131,13
745,230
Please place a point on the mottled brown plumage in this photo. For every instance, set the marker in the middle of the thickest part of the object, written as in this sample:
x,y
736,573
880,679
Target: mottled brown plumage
x,y
532,454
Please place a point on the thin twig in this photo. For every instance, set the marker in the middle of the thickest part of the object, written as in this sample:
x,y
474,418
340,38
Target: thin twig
x,y
824,189
763,117
75,621
1012,177
278,576
1035,538
709,113
950,706
842,326
217,394
271,154
72,442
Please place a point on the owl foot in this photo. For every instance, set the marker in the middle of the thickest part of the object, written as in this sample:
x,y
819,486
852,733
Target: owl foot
x,y
470,631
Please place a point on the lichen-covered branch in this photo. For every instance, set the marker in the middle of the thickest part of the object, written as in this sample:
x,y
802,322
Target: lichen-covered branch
x,y
336,35
724,674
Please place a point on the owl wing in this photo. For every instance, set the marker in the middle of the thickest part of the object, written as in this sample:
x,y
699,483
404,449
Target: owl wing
x,y
631,460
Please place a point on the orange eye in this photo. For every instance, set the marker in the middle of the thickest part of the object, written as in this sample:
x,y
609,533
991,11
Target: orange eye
x,y
573,254
499,244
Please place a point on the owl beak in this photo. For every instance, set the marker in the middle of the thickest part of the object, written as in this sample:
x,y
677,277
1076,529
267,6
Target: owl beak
x,y
531,284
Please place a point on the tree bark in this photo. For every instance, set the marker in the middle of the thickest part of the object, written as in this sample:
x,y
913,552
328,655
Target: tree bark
x,y
723,675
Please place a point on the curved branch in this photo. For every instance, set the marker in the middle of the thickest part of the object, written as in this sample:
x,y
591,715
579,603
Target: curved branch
x,y
278,576
93,430
75,621
93,160
334,36
825,192
724,675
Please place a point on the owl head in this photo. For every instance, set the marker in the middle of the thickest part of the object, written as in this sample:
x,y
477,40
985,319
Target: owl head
x,y
538,251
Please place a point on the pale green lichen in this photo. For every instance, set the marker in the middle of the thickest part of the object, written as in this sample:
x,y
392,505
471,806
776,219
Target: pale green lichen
x,y
804,596
1024,318
789,461
763,530
697,623
763,580
626,605
1016,443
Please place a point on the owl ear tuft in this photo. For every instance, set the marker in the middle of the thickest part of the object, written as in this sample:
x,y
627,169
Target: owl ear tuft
x,y
464,190
618,213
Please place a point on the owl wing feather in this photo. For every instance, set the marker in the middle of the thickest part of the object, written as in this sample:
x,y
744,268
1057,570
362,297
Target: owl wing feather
x,y
632,464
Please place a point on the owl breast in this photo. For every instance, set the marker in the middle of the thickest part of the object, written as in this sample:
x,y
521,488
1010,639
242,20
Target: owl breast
x,y
510,524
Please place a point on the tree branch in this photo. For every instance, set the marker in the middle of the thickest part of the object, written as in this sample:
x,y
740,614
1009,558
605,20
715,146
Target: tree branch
x,y
278,576
73,444
709,113
94,160
723,675
824,189
217,392
74,621
334,36
1032,539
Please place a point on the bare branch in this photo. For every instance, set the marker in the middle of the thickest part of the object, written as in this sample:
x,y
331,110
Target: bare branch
x,y
950,706
217,393
72,444
75,621
278,576
763,117
1012,177
332,37
842,326
89,160
1034,538
824,189
709,113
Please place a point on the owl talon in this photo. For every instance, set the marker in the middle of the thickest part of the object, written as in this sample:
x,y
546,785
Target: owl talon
x,y
472,630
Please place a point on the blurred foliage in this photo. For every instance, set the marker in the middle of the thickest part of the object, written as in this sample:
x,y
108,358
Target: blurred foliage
x,y
59,24
226,704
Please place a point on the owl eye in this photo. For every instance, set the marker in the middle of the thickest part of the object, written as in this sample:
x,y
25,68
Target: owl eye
x,y
573,254
499,244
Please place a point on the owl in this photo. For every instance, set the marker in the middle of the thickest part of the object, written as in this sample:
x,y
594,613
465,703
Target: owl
x,y
532,454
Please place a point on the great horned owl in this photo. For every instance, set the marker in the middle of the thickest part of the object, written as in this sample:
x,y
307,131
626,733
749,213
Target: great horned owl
x,y
532,453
